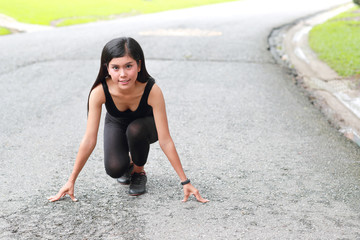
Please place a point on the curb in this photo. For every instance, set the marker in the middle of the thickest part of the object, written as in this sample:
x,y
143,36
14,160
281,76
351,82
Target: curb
x,y
337,97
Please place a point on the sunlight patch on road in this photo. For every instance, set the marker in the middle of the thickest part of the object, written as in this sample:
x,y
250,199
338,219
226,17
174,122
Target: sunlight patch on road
x,y
181,32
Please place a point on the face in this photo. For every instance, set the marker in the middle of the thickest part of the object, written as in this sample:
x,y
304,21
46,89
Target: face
x,y
124,71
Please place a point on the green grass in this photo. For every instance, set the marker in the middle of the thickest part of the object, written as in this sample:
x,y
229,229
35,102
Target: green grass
x,y
337,42
76,20
44,12
4,31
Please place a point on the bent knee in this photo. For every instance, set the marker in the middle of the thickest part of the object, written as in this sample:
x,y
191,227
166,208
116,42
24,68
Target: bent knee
x,y
116,171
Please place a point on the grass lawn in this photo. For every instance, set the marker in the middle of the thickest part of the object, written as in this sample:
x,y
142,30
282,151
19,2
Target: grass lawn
x,y
4,31
337,42
68,12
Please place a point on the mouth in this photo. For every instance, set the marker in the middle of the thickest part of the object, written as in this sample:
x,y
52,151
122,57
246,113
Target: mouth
x,y
124,81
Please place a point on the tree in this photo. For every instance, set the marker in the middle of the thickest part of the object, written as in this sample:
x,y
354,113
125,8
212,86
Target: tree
x,y
357,2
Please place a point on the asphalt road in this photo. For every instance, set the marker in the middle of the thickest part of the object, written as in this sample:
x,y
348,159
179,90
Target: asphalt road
x,y
249,139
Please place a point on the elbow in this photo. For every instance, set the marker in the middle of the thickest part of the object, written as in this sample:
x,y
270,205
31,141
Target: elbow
x,y
92,144
164,144
89,143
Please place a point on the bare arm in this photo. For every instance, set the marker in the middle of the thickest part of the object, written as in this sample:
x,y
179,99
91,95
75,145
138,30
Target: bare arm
x,y
87,144
156,100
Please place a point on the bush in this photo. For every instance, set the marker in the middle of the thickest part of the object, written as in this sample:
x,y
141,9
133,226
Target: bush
x,y
357,2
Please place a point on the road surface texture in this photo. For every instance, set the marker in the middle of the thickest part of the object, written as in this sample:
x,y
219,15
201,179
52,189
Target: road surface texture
x,y
249,139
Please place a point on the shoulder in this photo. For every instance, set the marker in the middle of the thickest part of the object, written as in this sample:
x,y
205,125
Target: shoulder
x,y
155,96
97,95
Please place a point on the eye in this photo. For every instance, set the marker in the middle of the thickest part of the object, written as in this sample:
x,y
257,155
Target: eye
x,y
128,66
115,67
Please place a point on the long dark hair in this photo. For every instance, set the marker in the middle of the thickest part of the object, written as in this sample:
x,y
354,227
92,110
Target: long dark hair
x,y
120,47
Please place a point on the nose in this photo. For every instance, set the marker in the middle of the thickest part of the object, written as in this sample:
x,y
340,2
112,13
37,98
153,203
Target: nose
x,y
122,72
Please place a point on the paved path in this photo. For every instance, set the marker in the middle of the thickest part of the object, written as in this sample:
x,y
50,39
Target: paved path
x,y
251,142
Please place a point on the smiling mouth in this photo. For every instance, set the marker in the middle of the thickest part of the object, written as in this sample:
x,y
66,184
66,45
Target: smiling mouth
x,y
124,81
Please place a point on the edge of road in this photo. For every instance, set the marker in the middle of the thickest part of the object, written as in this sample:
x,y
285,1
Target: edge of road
x,y
337,98
16,27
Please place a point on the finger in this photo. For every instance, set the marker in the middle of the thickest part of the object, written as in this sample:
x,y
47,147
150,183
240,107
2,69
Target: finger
x,y
73,197
53,198
203,200
186,197
200,199
57,196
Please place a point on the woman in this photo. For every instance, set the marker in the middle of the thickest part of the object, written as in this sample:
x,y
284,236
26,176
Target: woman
x,y
136,117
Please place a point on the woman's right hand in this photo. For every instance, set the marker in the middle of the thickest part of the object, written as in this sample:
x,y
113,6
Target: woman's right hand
x,y
68,188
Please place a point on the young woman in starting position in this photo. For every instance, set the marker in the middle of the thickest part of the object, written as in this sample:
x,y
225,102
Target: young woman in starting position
x,y
135,118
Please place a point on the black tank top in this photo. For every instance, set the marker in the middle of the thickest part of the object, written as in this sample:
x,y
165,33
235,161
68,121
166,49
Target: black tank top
x,y
143,109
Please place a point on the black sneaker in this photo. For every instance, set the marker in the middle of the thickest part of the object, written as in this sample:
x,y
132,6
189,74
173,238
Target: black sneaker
x,y
125,179
138,184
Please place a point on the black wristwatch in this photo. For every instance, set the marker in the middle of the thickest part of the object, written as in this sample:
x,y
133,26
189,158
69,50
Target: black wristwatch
x,y
185,182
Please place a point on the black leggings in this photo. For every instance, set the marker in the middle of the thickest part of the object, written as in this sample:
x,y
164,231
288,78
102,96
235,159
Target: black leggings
x,y
124,136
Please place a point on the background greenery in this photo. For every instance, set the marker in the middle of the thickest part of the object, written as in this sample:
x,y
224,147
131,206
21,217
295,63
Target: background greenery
x,y
337,42
67,12
4,31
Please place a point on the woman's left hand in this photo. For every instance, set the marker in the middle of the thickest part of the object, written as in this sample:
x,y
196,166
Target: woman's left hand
x,y
189,190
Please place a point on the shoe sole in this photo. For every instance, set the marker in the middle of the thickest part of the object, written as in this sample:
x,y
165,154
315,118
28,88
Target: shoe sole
x,y
136,194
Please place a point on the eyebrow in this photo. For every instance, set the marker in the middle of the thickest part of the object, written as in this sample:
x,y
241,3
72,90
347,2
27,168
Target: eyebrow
x,y
113,64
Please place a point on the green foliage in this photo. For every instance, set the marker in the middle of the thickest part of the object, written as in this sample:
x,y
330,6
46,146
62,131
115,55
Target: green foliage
x,y
357,2
46,12
336,42
4,31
